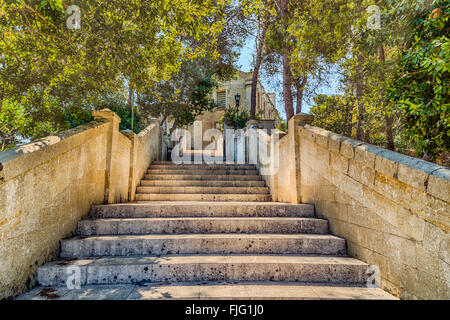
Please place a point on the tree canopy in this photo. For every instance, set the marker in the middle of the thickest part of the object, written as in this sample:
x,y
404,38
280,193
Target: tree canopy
x,y
420,85
47,68
391,58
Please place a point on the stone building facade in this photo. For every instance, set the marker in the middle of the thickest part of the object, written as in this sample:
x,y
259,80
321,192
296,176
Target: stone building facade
x,y
225,94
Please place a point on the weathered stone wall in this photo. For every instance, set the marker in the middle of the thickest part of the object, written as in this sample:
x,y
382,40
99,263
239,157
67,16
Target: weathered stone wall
x,y
144,149
148,146
282,172
47,186
286,182
208,120
392,209
121,159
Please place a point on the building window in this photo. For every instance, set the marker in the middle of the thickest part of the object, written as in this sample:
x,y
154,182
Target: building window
x,y
221,99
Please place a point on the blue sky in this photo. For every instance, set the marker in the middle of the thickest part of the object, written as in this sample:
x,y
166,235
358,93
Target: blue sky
x,y
245,62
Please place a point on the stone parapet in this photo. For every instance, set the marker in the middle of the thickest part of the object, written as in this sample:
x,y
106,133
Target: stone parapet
x,y
392,209
48,185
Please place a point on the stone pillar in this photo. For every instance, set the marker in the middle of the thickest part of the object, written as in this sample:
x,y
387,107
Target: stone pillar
x,y
300,118
133,162
111,145
198,142
252,124
228,135
252,142
240,146
159,152
294,137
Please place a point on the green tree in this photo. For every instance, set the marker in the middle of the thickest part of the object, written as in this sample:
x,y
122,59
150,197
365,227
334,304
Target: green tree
x,y
331,113
181,98
259,16
187,94
235,119
45,68
420,85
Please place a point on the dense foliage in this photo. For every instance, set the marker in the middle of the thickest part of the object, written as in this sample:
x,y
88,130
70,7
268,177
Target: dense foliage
x,y
162,58
181,98
332,113
420,86
234,119
47,68
394,78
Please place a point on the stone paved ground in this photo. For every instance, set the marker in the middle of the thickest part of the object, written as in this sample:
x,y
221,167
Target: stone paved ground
x,y
217,290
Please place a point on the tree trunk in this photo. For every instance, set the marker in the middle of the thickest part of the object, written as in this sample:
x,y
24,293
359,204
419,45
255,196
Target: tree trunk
x,y
258,61
300,87
161,122
298,108
130,96
1,98
287,88
367,136
287,80
2,93
387,118
359,95
174,126
130,103
348,126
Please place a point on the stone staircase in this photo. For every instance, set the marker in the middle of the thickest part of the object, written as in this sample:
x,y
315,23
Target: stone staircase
x,y
170,182
205,232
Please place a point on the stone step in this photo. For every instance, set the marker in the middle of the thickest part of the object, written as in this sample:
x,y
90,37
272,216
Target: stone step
x,y
202,177
206,190
224,163
201,209
202,197
228,172
215,290
187,268
158,244
201,225
204,166
201,183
